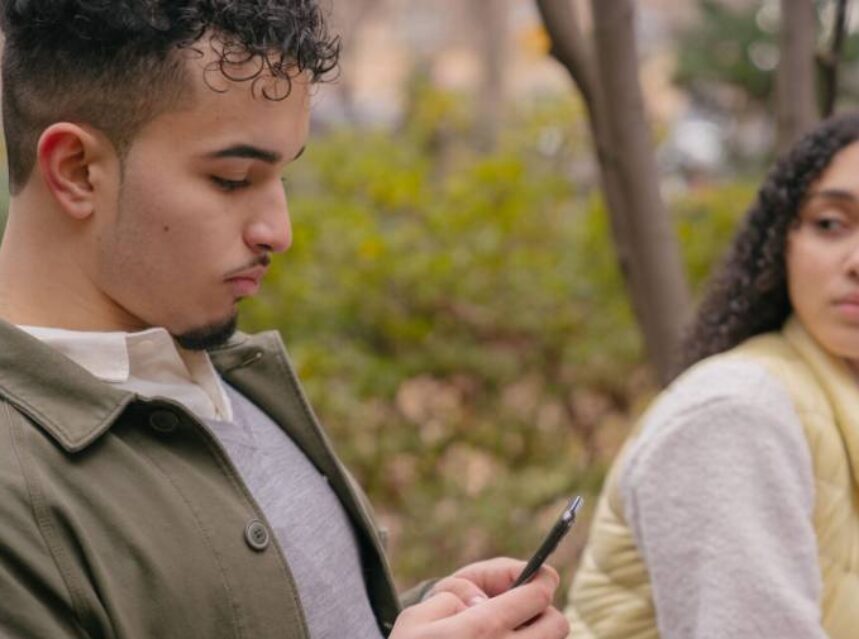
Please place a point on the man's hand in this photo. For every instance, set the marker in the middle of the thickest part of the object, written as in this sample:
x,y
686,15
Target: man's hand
x,y
475,602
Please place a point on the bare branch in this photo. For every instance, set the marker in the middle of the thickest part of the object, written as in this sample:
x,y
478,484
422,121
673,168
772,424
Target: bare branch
x,y
568,45
830,61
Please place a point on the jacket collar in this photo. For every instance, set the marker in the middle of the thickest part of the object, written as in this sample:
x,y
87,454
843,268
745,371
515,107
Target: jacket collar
x,y
67,401
838,383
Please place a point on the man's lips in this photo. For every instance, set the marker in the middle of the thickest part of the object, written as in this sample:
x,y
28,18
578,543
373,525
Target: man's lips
x,y
255,273
246,282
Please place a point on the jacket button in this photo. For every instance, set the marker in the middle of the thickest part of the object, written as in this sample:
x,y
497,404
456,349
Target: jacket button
x,y
163,421
256,534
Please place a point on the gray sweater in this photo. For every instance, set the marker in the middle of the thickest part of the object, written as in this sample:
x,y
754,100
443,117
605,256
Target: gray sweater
x,y
719,491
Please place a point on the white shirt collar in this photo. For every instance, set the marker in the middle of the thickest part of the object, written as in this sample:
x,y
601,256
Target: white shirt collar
x,y
148,363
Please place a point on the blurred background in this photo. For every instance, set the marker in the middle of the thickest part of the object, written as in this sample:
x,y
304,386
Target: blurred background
x,y
454,300
461,298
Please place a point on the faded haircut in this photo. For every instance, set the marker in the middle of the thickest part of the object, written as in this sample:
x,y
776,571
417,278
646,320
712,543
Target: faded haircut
x,y
115,64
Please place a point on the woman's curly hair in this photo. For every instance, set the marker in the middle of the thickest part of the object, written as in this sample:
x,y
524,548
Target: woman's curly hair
x,y
749,295
113,63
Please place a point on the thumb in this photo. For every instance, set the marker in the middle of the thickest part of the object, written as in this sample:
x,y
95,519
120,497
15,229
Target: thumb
x,y
466,590
438,606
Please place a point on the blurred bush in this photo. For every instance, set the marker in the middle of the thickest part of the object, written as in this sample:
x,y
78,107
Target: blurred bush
x,y
461,325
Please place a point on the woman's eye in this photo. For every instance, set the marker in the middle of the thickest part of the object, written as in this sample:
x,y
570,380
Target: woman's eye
x,y
230,185
828,224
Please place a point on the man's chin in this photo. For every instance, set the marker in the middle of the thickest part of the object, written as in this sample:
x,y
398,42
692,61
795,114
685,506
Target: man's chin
x,y
206,337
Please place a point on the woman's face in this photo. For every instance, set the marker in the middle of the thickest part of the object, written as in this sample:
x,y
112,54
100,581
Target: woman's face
x,y
823,257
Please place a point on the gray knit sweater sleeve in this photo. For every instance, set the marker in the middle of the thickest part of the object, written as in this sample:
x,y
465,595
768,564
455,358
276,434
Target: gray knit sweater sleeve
x,y
719,492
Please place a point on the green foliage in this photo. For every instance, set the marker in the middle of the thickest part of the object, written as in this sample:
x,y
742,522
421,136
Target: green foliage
x,y
705,221
462,327
718,50
736,47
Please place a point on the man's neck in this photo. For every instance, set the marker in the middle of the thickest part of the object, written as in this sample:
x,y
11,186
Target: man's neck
x,y
42,283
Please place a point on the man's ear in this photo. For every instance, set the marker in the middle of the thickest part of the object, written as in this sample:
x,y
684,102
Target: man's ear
x,y
66,153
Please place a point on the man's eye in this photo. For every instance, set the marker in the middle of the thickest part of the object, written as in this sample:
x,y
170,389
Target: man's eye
x,y
229,185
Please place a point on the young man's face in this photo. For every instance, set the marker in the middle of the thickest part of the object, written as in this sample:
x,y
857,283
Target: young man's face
x,y
200,206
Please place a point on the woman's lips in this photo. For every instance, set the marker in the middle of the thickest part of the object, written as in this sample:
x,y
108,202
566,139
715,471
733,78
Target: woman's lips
x,y
848,309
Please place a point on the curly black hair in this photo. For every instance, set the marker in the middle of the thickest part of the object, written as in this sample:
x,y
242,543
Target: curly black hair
x,y
749,295
113,64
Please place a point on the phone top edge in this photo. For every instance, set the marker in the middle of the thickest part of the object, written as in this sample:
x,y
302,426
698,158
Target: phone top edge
x,y
573,509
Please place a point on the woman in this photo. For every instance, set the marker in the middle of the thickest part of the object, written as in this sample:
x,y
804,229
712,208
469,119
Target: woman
x,y
733,510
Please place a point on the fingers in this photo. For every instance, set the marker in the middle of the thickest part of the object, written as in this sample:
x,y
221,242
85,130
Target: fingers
x,y
492,576
517,607
551,575
467,591
552,624
495,576
524,612
439,606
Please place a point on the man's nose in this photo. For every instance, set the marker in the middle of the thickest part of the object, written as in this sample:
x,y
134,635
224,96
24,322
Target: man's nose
x,y
270,229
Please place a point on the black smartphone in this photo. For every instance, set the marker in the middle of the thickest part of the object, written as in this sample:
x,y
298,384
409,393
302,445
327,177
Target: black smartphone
x,y
562,527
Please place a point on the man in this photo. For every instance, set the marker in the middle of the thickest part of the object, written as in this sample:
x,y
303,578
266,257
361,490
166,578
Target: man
x,y
161,476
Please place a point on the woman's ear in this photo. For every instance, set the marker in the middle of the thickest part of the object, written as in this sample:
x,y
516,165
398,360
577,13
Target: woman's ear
x,y
66,153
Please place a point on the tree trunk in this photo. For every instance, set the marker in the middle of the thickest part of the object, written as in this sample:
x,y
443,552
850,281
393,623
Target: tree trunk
x,y
796,106
647,248
491,21
831,60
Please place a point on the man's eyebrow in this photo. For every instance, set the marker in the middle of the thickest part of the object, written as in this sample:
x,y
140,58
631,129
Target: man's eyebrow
x,y
248,152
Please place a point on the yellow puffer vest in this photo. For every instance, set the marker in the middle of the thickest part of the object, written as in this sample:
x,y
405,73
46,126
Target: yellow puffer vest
x,y
611,596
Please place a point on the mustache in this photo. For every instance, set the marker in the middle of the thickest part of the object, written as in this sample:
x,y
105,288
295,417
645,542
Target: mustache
x,y
263,260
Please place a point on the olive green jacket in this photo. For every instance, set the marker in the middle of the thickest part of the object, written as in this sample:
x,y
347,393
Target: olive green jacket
x,y
123,518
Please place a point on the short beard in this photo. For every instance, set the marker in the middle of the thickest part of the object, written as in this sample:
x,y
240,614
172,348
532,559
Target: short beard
x,y
201,339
